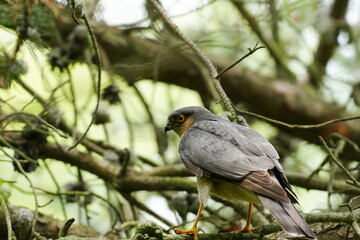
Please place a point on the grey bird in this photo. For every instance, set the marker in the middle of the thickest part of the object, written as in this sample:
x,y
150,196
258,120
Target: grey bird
x,y
234,162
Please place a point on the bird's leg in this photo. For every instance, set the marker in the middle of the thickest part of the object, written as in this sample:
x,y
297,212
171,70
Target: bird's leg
x,y
193,230
247,228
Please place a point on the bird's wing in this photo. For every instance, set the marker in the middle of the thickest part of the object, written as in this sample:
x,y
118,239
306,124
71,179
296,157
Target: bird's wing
x,y
251,141
212,149
212,155
246,139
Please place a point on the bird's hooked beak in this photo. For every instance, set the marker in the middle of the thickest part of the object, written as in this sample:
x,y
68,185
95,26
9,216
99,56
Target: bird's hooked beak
x,y
168,127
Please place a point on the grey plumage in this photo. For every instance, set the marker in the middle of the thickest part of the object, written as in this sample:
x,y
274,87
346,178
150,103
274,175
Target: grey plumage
x,y
288,217
215,148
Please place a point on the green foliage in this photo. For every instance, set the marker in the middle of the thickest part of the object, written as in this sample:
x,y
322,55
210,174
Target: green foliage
x,y
10,70
148,231
34,23
146,75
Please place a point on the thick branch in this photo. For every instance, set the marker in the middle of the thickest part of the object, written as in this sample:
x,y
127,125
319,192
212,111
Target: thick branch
x,y
207,62
46,226
328,41
274,49
173,177
49,227
266,96
347,218
295,178
316,183
263,95
101,168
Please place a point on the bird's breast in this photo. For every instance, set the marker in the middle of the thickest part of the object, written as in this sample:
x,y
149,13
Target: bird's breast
x,y
225,190
232,192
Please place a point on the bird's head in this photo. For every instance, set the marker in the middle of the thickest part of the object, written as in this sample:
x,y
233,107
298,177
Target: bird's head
x,y
182,119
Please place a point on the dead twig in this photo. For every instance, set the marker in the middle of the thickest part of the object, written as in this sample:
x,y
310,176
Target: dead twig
x,y
144,208
204,59
288,125
29,181
251,51
98,92
7,215
340,165
64,229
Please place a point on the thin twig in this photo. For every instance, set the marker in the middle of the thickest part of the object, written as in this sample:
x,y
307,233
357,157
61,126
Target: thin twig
x,y
87,193
7,216
86,142
57,188
129,126
65,228
59,86
144,208
209,65
152,122
8,145
97,54
37,118
73,98
288,125
33,94
339,149
82,185
31,185
347,140
73,11
273,47
46,204
319,168
251,51
334,158
27,104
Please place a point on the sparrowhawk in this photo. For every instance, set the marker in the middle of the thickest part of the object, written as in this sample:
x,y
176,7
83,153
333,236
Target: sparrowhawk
x,y
234,162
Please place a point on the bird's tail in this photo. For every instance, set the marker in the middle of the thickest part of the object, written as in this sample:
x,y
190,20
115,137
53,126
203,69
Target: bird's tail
x,y
288,217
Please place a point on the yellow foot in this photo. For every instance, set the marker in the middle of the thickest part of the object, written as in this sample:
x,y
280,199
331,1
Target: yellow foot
x,y
246,229
192,230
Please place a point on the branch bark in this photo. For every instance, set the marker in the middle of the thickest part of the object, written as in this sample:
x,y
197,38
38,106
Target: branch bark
x,y
170,177
328,41
326,226
269,231
273,47
135,58
177,178
45,226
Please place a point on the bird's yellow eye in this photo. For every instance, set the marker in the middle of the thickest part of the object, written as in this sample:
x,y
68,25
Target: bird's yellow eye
x,y
181,118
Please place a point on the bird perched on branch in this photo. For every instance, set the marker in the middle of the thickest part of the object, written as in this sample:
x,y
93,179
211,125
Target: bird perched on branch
x,y
235,162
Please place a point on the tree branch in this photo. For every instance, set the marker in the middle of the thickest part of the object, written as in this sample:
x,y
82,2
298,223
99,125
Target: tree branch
x,y
347,218
328,41
207,62
5,210
251,51
263,95
274,49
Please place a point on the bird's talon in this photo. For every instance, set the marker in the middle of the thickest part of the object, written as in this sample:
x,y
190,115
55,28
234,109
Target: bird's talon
x,y
246,229
190,231
181,231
